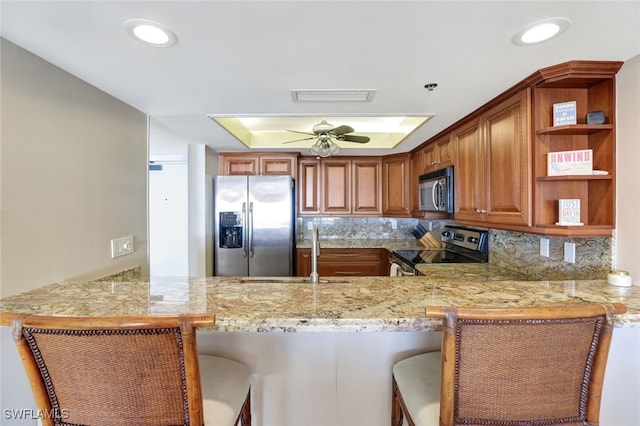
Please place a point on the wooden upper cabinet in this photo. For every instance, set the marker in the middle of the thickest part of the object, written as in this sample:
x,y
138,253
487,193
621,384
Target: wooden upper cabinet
x,y
258,164
239,165
308,186
366,190
507,159
396,198
416,168
492,171
336,187
438,154
468,172
278,165
342,186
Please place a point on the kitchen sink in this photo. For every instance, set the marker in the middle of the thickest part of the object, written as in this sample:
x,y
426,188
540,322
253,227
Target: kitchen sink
x,y
285,280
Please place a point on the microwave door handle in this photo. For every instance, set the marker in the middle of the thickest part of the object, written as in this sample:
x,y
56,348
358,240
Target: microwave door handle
x,y
434,195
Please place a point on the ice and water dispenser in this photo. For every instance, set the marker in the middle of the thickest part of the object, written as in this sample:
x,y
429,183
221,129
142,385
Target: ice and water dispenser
x,y
230,231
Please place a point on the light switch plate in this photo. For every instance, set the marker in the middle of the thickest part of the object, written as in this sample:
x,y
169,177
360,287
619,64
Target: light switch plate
x,y
121,246
544,247
570,252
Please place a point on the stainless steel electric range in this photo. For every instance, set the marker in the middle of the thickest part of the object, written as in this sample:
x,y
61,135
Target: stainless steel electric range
x,y
461,245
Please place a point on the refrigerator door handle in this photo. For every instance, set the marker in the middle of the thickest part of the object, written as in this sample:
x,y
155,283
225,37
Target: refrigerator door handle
x,y
250,229
244,226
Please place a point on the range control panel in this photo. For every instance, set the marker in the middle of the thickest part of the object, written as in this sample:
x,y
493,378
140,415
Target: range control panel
x,y
472,239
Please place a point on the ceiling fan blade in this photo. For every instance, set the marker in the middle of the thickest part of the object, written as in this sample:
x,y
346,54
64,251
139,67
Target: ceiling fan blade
x,y
341,130
298,140
354,138
304,133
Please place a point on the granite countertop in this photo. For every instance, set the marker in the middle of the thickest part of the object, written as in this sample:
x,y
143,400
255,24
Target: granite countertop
x,y
336,304
405,244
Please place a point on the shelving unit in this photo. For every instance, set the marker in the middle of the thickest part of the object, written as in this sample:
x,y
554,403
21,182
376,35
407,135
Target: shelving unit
x,y
592,85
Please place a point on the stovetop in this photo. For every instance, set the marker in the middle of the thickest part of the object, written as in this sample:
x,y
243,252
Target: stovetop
x,y
461,245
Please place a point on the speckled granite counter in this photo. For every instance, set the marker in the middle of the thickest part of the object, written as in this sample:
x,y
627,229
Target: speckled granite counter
x,y
289,304
404,244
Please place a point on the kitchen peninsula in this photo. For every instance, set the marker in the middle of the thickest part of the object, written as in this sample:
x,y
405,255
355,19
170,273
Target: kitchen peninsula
x,y
321,354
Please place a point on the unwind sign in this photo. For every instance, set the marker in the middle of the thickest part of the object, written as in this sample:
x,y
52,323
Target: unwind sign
x,y
579,162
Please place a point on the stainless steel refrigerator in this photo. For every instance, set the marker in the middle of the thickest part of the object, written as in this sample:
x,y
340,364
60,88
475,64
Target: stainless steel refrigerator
x,y
254,226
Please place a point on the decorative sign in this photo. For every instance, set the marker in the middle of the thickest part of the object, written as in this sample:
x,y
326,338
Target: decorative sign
x,y
578,162
569,212
564,113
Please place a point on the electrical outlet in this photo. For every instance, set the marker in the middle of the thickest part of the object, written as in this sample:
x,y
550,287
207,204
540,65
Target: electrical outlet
x,y
121,246
544,247
570,252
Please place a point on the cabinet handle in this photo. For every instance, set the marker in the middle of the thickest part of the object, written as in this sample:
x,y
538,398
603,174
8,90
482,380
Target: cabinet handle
x,y
348,273
481,211
433,163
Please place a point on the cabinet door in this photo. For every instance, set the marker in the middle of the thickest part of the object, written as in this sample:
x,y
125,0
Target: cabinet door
x,y
416,169
303,262
366,193
336,187
469,175
240,165
430,157
445,152
437,155
396,200
507,157
277,165
309,187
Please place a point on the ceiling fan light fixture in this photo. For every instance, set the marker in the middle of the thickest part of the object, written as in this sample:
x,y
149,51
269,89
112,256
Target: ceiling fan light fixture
x,y
324,148
541,31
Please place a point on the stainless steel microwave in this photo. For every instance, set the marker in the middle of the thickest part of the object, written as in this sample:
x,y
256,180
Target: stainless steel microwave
x,y
435,191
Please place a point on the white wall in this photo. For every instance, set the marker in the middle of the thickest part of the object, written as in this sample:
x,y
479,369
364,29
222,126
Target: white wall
x,y
203,166
628,170
74,176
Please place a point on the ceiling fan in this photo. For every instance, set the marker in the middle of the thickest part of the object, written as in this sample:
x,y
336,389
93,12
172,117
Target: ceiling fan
x,y
324,132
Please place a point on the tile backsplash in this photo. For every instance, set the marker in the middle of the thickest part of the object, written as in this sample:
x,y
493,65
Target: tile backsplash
x,y
521,252
356,228
510,250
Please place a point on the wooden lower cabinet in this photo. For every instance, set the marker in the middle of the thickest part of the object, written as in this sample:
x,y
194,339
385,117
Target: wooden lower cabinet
x,y
344,262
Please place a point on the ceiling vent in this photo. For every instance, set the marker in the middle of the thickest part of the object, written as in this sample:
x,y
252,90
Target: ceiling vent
x,y
311,95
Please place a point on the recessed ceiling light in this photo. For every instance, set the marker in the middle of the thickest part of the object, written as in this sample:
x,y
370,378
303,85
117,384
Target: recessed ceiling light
x,y
150,32
541,31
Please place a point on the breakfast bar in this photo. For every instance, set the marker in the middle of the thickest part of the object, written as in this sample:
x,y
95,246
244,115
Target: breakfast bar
x,y
321,354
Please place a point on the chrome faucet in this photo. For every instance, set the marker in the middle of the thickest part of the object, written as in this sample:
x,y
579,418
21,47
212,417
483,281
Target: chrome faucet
x,y
315,252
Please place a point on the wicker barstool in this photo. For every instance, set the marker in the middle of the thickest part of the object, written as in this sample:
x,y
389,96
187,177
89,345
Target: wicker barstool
x,y
129,371
521,366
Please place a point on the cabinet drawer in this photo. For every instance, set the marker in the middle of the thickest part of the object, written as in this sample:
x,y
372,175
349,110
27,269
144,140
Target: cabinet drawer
x,y
344,262
349,269
349,255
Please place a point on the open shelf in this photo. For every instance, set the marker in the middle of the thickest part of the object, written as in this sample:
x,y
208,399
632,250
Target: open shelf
x,y
575,231
592,86
573,177
574,129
